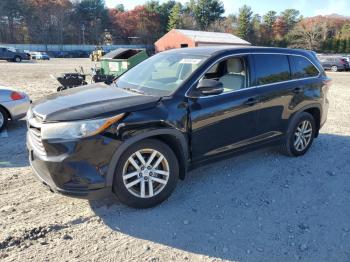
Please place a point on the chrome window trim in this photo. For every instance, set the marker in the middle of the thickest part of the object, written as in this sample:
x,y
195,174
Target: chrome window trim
x,y
257,86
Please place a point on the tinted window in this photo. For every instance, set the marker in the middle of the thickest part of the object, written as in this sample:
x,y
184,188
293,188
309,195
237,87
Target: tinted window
x,y
303,68
271,68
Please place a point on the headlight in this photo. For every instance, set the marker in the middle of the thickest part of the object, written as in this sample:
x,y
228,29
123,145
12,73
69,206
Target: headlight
x,y
77,129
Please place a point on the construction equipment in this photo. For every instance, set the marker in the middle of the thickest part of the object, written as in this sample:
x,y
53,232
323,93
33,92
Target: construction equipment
x,y
97,54
70,80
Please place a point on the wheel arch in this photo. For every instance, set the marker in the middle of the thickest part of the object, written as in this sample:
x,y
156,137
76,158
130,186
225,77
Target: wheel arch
x,y
7,111
315,111
172,137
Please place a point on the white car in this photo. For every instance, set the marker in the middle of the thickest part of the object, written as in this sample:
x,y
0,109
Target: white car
x,y
39,56
13,105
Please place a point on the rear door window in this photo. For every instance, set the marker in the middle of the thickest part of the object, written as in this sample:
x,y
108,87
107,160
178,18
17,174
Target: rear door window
x,y
271,68
302,68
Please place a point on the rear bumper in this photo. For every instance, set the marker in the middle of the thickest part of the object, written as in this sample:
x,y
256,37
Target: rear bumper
x,y
325,106
17,108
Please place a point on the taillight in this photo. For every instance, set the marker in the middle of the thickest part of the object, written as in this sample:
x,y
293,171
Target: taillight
x,y
16,96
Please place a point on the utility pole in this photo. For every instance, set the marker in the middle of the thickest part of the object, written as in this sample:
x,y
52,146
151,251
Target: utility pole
x,y
83,30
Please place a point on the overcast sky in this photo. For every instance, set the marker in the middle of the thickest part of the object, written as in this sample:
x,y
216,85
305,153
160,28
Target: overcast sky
x,y
306,7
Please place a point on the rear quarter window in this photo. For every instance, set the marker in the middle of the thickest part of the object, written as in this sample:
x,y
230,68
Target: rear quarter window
x,y
271,68
302,68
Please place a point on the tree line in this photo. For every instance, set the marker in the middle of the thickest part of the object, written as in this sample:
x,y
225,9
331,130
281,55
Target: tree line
x,y
91,22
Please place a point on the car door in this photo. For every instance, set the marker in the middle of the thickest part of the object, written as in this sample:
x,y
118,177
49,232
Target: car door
x,y
2,53
279,91
272,78
7,53
224,122
324,62
330,62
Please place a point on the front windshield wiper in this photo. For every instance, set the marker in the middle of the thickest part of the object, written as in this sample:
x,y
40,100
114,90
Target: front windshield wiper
x,y
133,90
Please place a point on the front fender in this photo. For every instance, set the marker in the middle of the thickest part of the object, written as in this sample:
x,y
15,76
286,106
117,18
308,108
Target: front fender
x,y
143,135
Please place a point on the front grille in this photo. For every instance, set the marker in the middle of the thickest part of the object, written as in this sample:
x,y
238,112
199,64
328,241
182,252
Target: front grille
x,y
34,129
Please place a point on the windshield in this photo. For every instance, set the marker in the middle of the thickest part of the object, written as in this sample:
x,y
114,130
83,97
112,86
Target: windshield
x,y
160,74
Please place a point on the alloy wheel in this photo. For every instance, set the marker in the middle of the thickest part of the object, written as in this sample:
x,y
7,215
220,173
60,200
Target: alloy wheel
x,y
303,135
146,173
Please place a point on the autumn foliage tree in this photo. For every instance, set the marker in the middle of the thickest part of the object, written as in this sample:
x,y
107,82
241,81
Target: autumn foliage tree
x,y
307,34
135,26
46,17
11,20
88,22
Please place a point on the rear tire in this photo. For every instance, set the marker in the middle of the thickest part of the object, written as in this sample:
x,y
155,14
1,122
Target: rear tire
x,y
334,68
3,118
137,182
300,135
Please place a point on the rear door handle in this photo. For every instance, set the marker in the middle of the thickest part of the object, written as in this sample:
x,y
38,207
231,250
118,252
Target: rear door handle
x,y
297,90
251,101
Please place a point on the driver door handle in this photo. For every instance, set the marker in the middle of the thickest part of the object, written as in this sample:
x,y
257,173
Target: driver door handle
x,y
298,90
251,101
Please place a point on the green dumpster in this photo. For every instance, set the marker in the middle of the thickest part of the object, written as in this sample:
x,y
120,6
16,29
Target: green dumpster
x,y
120,60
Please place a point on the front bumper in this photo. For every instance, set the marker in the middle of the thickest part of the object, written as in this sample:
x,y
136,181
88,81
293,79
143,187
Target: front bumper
x,y
69,173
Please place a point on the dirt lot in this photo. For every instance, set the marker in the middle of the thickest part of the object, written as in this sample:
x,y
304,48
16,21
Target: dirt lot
x,y
260,206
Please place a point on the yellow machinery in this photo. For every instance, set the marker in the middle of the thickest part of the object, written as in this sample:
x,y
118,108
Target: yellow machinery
x,y
97,54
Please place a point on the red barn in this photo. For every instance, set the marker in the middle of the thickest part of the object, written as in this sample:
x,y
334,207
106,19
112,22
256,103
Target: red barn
x,y
178,38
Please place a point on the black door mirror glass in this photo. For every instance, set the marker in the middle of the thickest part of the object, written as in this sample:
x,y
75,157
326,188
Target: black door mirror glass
x,y
210,87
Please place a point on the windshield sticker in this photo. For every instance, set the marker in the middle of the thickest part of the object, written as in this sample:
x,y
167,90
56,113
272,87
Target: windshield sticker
x,y
192,61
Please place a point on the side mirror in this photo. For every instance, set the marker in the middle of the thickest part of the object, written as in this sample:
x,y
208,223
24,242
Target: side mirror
x,y
209,87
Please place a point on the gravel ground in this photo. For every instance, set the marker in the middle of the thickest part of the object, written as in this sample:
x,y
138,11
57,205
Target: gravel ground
x,y
260,206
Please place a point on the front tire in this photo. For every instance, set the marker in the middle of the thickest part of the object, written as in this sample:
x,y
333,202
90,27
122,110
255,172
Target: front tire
x,y
146,174
17,59
3,118
300,135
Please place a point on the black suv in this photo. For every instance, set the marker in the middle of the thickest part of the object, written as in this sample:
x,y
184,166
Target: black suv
x,y
175,110
14,55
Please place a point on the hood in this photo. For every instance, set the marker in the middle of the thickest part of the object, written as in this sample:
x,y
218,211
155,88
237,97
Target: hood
x,y
91,101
